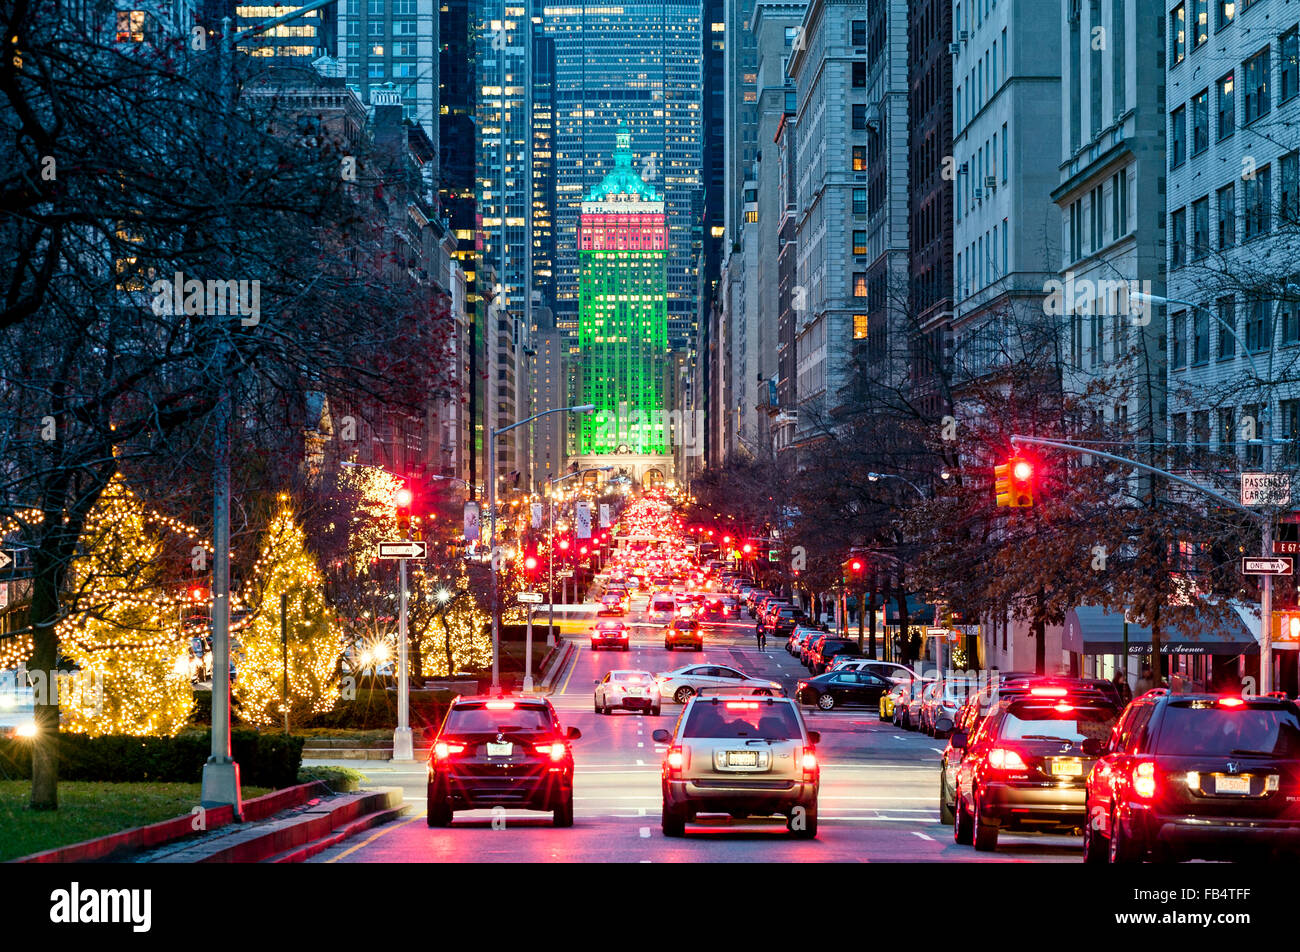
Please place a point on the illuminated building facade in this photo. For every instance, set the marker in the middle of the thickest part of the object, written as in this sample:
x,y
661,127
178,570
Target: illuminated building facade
x,y
623,242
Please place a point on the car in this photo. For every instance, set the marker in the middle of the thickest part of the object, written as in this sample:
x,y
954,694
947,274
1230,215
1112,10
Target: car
x,y
1026,766
720,607
826,649
888,669
612,606
797,637
684,683
663,608
838,688
781,621
809,645
907,699
1197,776
742,756
610,634
501,751
939,707
683,633
627,690
968,718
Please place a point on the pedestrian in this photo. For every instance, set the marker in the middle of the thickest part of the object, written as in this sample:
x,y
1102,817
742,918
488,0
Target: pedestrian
x,y
1121,685
1146,681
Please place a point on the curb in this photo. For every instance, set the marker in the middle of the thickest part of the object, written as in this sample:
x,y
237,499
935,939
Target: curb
x,y
564,654
119,845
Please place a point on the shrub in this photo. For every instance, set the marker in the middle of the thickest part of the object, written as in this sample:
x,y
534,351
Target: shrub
x,y
375,709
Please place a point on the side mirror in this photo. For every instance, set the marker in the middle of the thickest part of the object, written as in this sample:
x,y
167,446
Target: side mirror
x,y
958,740
662,736
597,681
814,737
573,733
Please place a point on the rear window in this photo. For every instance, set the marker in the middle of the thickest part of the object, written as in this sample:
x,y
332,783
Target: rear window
x,y
664,604
478,718
748,719
1046,722
1209,729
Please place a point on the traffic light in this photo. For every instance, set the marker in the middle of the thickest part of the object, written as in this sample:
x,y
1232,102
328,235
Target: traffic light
x,y
402,499
1013,482
530,566
853,569
748,549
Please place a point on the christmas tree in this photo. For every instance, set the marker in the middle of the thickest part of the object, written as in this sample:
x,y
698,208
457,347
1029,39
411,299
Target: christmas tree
x,y
312,644
122,628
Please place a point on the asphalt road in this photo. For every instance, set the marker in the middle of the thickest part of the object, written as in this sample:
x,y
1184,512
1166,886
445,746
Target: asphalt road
x,y
878,799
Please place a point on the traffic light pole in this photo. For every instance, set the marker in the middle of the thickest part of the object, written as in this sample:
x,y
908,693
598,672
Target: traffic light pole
x,y
1265,521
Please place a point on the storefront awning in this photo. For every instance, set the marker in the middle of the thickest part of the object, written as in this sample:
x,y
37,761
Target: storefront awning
x,y
1094,631
918,612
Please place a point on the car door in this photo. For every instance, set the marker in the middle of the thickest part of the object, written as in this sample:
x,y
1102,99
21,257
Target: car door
x,y
868,687
726,677
603,687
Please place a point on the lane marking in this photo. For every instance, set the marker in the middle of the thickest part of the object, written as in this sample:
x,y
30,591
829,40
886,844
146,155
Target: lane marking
x,y
573,666
640,763
388,828
645,832
922,835
639,744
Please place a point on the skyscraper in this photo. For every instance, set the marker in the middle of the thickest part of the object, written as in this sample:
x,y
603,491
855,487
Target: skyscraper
x,y
623,242
393,41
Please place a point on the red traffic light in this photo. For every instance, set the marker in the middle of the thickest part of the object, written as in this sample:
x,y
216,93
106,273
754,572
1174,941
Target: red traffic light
x,y
564,545
403,498
1022,470
530,563
856,565
197,593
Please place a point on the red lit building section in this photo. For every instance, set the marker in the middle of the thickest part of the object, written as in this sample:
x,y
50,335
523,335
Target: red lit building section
x,y
622,231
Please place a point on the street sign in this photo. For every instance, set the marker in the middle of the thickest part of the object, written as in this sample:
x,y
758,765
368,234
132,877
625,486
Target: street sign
x,y
4,594
1286,548
604,515
1261,566
530,598
6,559
403,550
564,573
1265,489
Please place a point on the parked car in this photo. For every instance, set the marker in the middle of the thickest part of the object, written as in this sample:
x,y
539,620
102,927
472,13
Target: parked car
x,y
1196,776
684,683
627,690
1026,767
830,648
908,699
939,708
838,688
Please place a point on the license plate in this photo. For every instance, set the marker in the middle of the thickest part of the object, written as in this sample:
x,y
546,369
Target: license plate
x,y
1067,768
635,692
1237,785
499,750
742,758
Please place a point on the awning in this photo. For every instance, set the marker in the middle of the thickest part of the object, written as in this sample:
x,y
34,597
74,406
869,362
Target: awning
x,y
1094,631
918,612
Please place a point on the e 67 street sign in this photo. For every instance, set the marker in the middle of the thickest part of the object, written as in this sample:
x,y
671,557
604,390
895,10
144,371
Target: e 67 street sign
x,y
1264,566
403,550
1265,489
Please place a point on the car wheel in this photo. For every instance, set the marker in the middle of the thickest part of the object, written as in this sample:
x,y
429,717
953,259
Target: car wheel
x,y
1095,848
668,646
673,822
439,810
654,711
627,647
986,834
803,823
563,814
599,709
963,827
1123,849
699,647
945,811
684,694
825,702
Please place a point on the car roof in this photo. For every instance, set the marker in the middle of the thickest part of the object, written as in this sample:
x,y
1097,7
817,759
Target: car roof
x,y
516,698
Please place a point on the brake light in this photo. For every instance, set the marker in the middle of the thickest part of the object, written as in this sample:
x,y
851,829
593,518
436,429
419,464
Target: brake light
x,y
500,705
1144,779
742,706
1047,692
1231,702
442,750
802,685
557,750
809,761
1001,758
675,760
1063,708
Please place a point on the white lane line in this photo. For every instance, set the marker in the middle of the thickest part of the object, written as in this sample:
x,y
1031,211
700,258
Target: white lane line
x,y
640,763
645,832
640,744
640,811
922,835
937,750
645,860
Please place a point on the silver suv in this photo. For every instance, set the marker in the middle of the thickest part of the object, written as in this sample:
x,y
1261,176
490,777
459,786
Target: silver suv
x,y
744,755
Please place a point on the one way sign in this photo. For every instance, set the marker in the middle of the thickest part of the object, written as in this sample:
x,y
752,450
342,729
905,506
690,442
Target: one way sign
x,y
402,550
1275,566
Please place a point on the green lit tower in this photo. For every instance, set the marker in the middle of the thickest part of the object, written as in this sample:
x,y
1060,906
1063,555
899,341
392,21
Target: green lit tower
x,y
623,321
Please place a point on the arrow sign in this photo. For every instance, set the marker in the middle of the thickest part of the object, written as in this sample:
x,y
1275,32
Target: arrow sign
x,y
403,550
1280,566
6,559
533,598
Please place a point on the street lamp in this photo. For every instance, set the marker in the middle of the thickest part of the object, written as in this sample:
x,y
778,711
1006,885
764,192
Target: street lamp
x,y
550,560
876,477
495,563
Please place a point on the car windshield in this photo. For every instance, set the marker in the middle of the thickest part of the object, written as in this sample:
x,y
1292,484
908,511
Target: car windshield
x,y
748,719
480,719
1207,728
1057,722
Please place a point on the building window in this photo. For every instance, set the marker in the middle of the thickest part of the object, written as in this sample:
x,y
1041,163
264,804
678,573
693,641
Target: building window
x,y
1226,308
1179,440
1259,216
130,26
1200,122
859,241
1289,315
1227,10
859,74
1227,107
859,327
1200,337
1288,66
858,33
859,158
1177,34
859,116
1227,199
1178,340
1119,205
1227,431
859,284
859,201
1289,428
1177,137
1177,238
1200,228
1255,80
1259,333
1288,206
1200,21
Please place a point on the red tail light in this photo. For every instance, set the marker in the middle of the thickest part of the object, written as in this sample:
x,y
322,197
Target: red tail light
x,y
1047,692
443,750
1231,702
500,705
676,760
1144,779
556,750
1003,758
742,705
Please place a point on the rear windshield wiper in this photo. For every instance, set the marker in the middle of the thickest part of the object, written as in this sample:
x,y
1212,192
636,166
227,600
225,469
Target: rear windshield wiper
x,y
1255,753
1063,740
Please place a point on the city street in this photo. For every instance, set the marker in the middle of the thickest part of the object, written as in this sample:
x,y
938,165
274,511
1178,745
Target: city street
x,y
878,799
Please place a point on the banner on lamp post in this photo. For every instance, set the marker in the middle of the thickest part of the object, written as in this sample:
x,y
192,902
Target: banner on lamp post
x,y
582,520
537,515
604,515
471,522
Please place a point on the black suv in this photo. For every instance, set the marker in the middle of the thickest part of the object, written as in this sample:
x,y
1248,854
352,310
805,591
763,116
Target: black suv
x,y
1197,776
501,752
